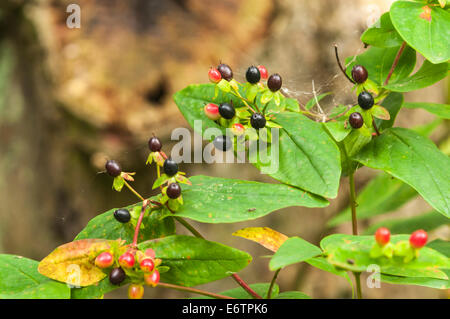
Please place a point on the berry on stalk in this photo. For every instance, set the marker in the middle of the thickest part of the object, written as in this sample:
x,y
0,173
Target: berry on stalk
x,y
154,144
222,142
359,74
382,236
150,253
237,129
126,260
113,168
225,71
152,279
116,276
135,291
147,265
227,110
356,120
170,167
418,239
214,75
263,71
104,260
365,100
212,111
258,121
122,215
274,82
173,191
252,75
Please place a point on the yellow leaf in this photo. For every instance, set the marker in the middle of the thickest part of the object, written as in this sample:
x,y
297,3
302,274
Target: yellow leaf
x,y
265,236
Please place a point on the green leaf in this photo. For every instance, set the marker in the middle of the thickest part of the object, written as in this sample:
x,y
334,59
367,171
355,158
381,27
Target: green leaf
x,y
96,291
427,75
418,281
427,129
427,222
323,264
441,110
428,34
223,200
350,146
383,194
310,104
195,261
441,246
118,183
292,295
382,34
380,112
160,180
292,251
393,103
413,159
302,163
353,253
20,279
378,62
339,129
107,227
240,293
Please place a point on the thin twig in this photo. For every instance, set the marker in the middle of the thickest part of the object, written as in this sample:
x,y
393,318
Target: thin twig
x,y
340,65
394,64
353,203
247,288
317,102
138,224
194,290
375,127
272,283
134,191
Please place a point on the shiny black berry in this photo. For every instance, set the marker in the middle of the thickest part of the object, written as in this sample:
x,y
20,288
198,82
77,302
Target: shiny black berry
x,y
356,120
257,121
173,190
274,82
116,276
222,142
225,71
122,215
227,111
113,168
365,100
170,167
252,75
154,144
359,74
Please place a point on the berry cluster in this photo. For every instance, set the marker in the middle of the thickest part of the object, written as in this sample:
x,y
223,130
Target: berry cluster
x,y
406,249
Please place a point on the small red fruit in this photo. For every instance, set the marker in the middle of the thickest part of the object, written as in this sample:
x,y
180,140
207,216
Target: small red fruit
x,y
263,71
382,236
212,111
214,75
152,279
418,239
237,129
135,291
150,253
126,260
147,265
104,260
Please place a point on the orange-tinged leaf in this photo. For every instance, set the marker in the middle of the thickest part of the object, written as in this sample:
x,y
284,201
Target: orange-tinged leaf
x,y
265,236
426,13
73,263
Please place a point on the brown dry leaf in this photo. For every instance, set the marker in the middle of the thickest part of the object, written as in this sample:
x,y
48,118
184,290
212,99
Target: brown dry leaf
x,y
265,236
73,263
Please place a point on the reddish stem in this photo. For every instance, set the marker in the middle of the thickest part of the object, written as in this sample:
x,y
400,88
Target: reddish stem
x,y
394,64
340,65
244,285
139,222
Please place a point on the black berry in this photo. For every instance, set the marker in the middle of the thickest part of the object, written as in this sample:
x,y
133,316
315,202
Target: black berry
x,y
365,100
252,75
356,120
225,71
113,168
359,74
222,142
122,215
170,167
116,276
257,121
173,190
274,82
227,111
154,144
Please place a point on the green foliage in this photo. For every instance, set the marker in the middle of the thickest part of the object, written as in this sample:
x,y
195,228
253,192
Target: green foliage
x,y
240,293
382,34
292,295
441,110
292,251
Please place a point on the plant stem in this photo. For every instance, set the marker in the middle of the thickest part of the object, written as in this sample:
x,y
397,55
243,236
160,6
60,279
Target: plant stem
x,y
194,290
189,227
246,287
394,64
237,94
375,127
353,203
272,283
340,65
358,284
134,191
138,224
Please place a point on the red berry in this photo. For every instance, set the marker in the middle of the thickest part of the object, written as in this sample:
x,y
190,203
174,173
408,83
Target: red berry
x,y
173,191
237,129
225,71
126,260
104,260
214,75
359,74
135,291
212,111
152,279
418,239
150,253
147,265
382,236
263,71
356,120
274,82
